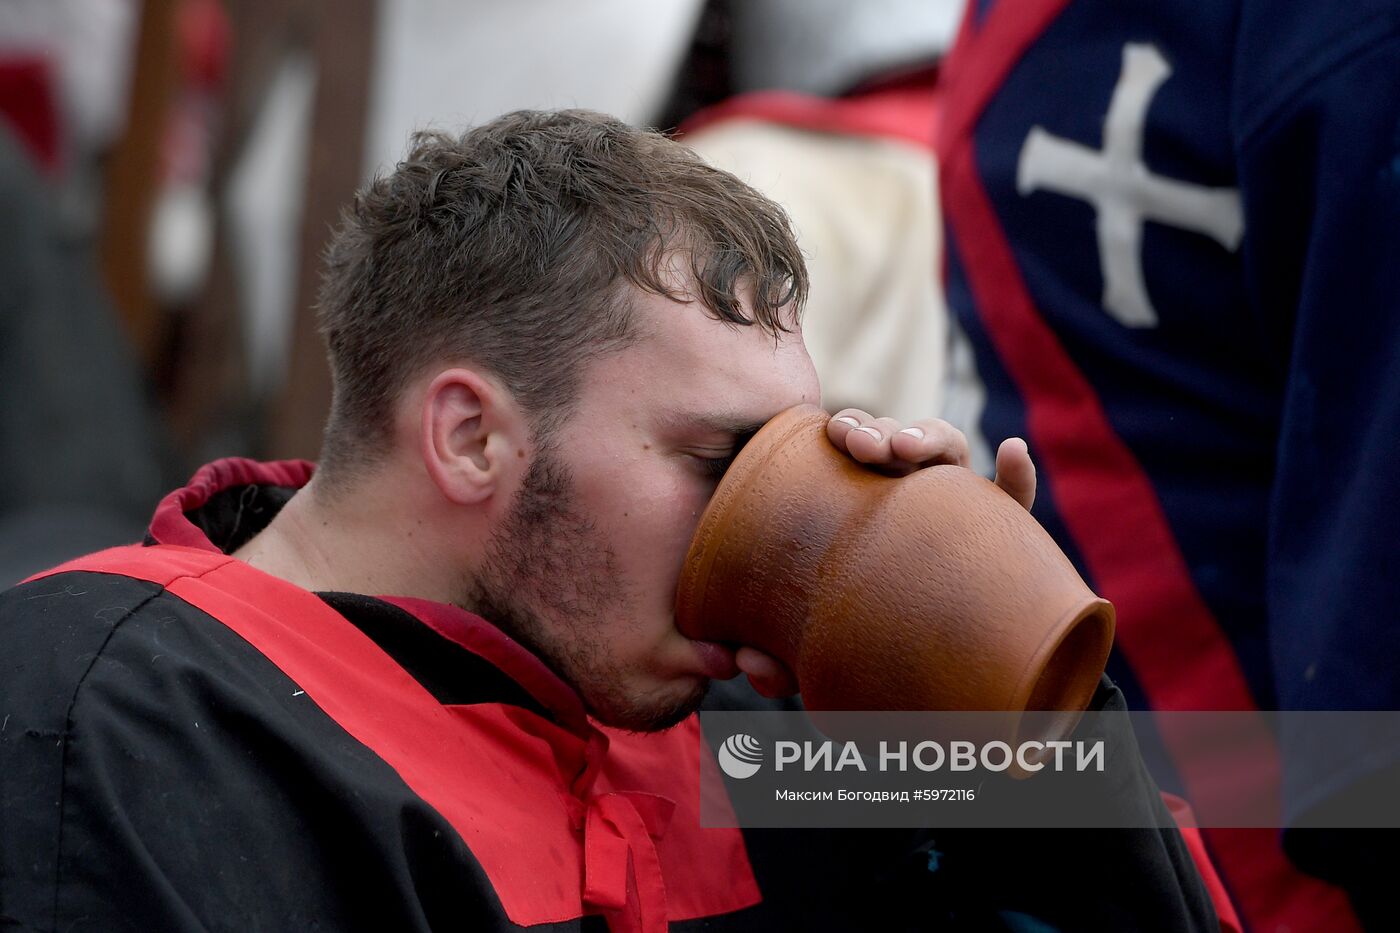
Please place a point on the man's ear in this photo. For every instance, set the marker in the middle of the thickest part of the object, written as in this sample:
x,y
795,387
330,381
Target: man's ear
x,y
469,427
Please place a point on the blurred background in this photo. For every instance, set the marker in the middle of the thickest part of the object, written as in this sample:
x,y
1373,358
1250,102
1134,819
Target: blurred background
x,y
170,171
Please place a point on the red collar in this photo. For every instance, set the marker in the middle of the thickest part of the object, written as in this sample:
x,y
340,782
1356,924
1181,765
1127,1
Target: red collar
x,y
170,524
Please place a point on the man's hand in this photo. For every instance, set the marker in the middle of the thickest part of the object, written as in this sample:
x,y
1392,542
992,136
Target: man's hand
x,y
899,449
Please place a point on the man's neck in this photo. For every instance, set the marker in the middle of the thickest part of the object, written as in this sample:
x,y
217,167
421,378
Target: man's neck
x,y
345,546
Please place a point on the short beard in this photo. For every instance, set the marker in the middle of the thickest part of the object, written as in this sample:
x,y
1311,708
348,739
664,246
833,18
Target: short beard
x,y
548,579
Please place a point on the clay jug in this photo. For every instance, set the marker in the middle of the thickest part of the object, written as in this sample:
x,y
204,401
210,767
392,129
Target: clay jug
x,y
932,591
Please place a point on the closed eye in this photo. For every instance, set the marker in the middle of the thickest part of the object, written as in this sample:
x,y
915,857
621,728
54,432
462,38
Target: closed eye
x,y
715,464
713,467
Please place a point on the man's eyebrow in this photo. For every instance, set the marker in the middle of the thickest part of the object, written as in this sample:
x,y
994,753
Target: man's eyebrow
x,y
736,425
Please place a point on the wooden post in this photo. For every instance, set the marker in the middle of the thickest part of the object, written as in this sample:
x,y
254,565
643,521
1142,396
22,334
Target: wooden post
x,y
133,175
209,404
343,47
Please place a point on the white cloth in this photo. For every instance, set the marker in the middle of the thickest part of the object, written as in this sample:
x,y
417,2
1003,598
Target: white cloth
x,y
865,212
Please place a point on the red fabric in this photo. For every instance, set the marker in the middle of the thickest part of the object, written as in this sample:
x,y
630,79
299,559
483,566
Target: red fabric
x,y
1191,833
29,105
565,818
485,640
622,873
1165,630
169,524
906,110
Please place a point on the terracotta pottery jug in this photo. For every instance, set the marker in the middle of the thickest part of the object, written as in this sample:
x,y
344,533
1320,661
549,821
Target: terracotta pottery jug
x,y
932,591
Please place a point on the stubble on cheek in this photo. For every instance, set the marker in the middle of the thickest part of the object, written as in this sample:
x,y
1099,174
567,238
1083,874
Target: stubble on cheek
x,y
550,579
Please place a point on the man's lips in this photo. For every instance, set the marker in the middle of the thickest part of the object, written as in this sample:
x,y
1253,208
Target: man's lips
x,y
716,660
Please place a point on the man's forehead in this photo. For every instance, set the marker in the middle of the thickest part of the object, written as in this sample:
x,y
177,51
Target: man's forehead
x,y
689,372
688,329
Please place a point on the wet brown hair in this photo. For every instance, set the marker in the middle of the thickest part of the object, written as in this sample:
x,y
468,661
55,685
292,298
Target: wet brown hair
x,y
512,245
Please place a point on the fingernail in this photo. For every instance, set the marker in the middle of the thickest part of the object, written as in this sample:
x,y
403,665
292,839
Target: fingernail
x,y
914,432
872,432
851,421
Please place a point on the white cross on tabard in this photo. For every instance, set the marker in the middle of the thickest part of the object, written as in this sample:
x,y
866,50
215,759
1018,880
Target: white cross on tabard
x,y
1124,193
